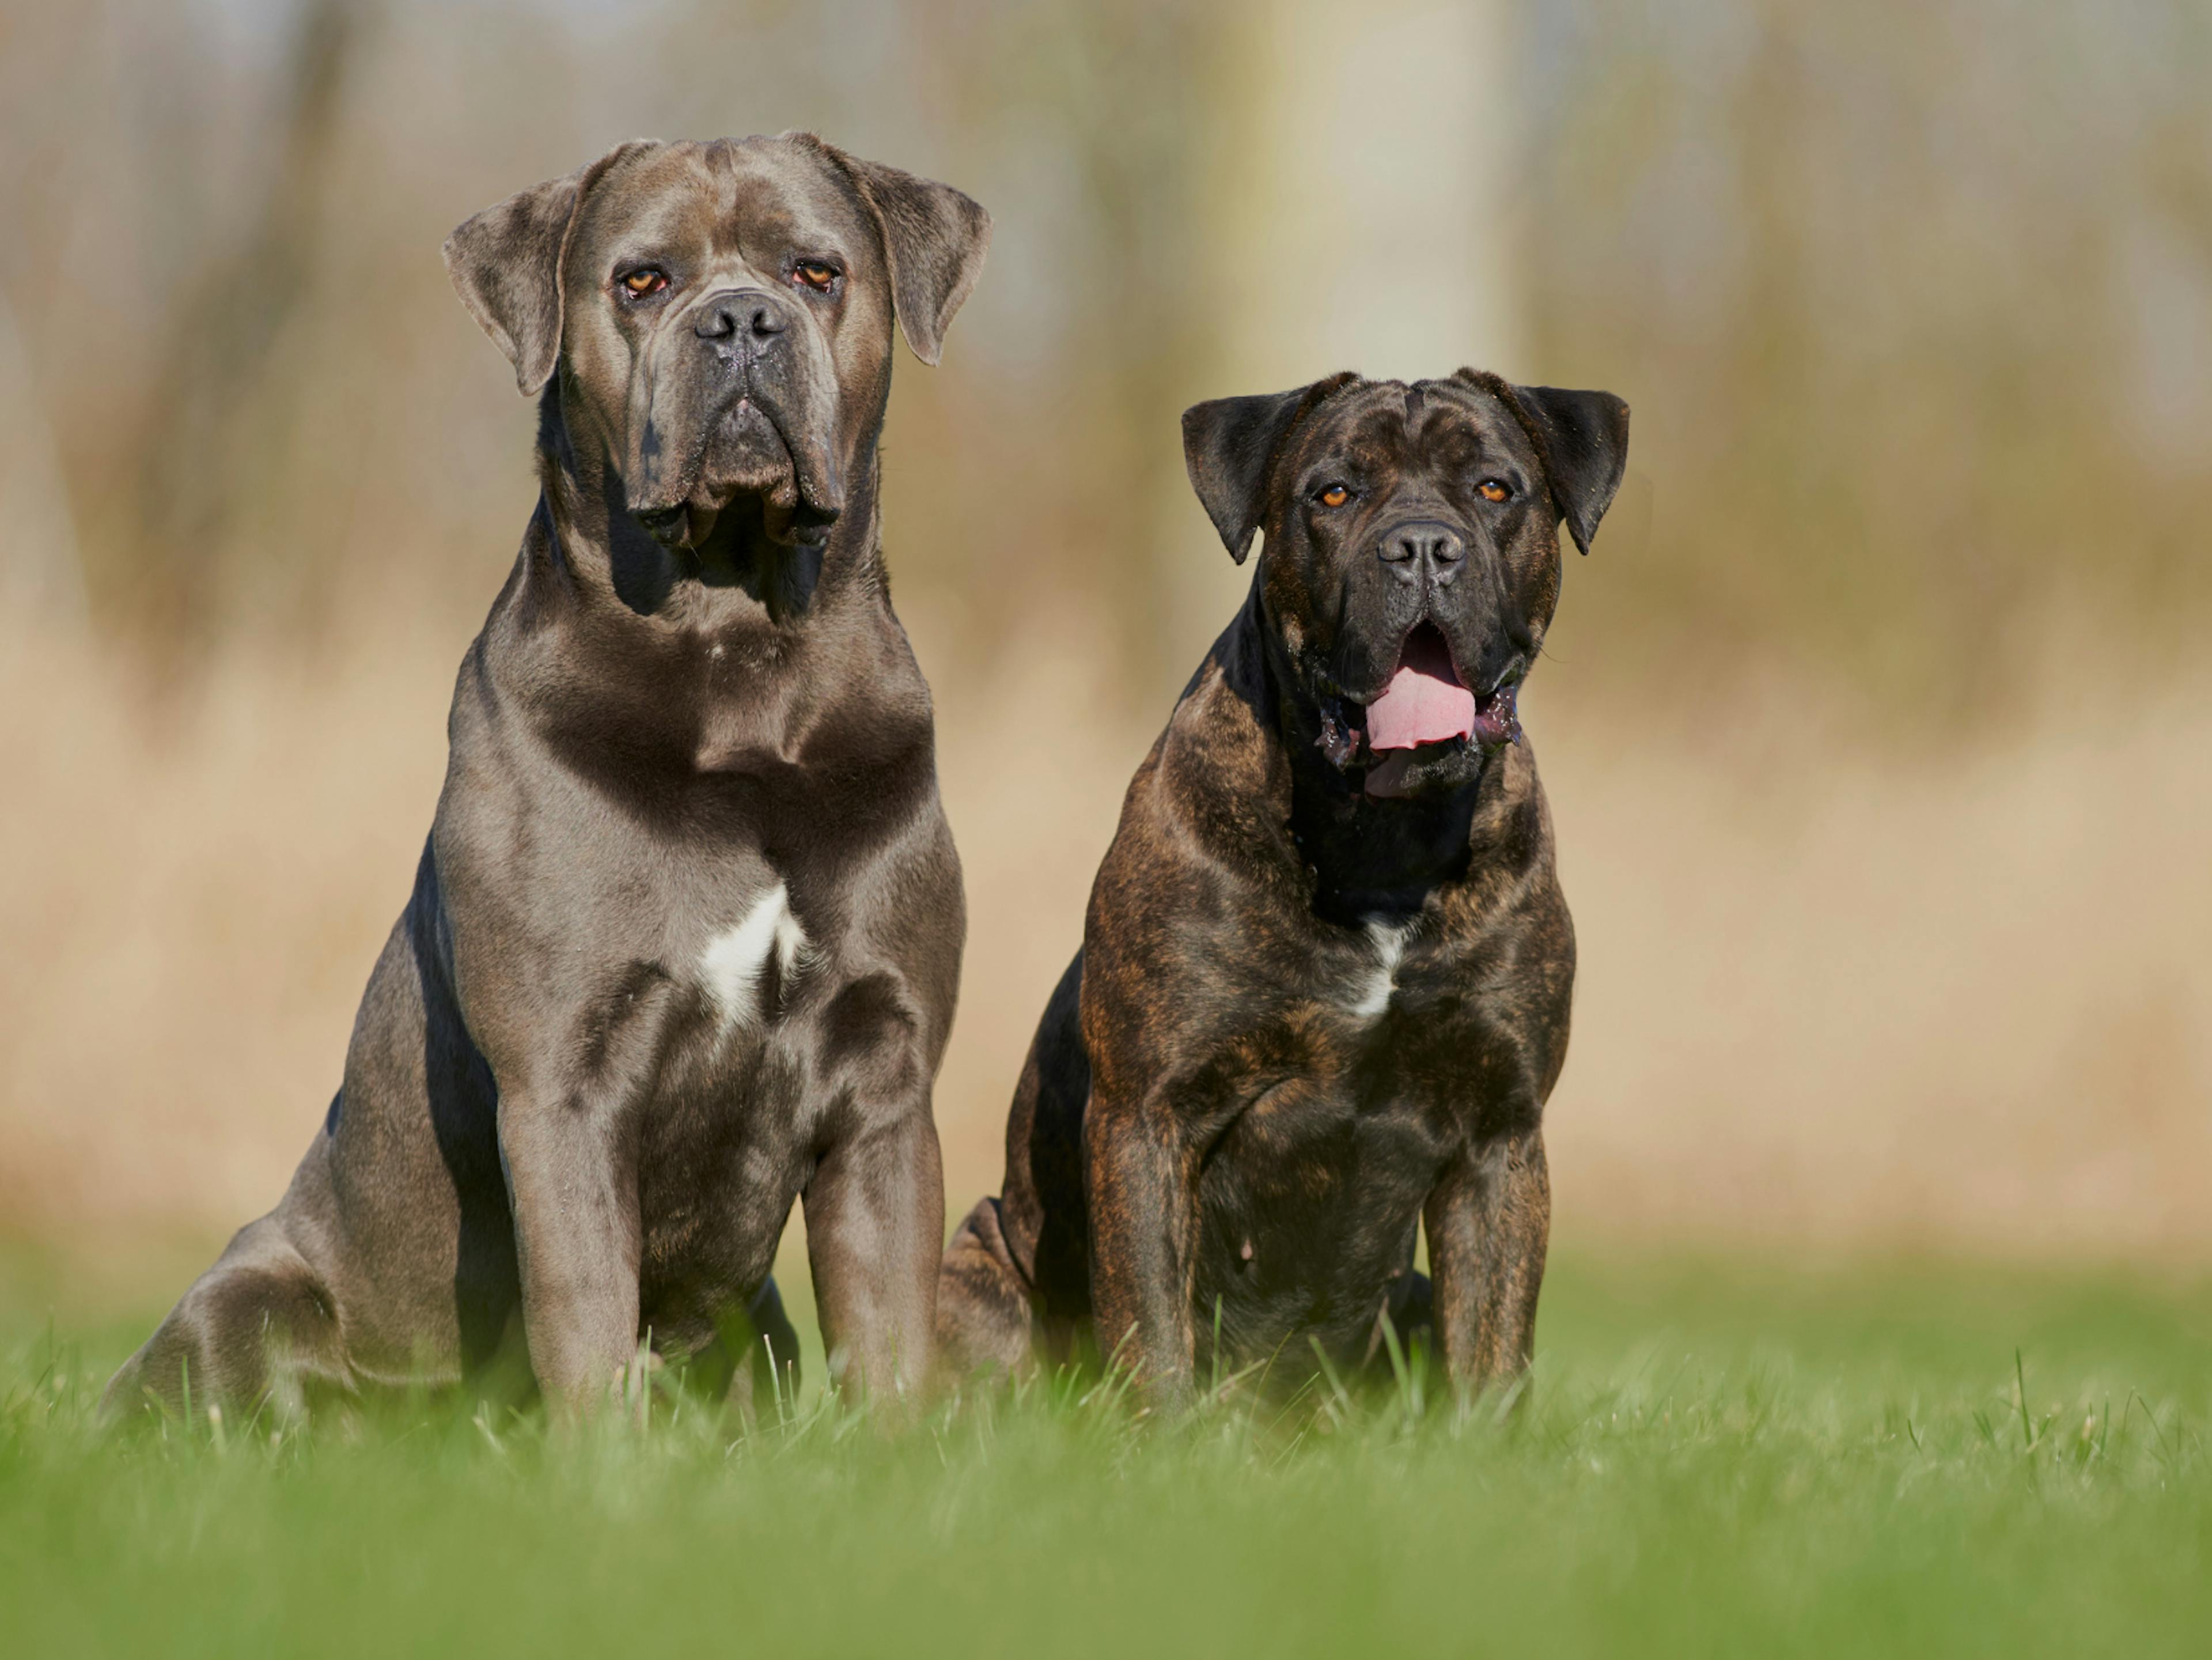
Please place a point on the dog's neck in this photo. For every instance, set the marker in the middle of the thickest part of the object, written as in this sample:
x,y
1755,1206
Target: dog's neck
x,y
1368,858
737,579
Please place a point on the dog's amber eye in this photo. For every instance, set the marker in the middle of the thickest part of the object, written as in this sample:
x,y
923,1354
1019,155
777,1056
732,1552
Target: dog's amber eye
x,y
1493,489
817,274
644,280
1332,495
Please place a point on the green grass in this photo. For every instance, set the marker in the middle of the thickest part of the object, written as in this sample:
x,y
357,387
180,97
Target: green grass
x,y
1709,1461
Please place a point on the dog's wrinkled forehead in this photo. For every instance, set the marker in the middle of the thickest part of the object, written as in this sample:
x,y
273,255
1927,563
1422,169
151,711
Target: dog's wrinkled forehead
x,y
732,202
1247,456
1393,430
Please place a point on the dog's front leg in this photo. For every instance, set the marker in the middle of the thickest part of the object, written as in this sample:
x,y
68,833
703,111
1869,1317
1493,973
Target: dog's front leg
x,y
1144,1224
875,1229
577,1243
1488,1223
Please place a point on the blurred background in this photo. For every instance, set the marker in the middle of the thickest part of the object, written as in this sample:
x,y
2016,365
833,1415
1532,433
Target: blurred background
x,y
1878,728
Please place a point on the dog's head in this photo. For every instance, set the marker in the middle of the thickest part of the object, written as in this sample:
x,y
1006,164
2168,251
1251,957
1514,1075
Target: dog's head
x,y
721,314
1412,556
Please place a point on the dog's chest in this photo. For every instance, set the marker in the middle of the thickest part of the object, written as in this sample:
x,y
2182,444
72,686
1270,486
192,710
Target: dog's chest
x,y
1383,1021
1362,979
1348,1076
745,968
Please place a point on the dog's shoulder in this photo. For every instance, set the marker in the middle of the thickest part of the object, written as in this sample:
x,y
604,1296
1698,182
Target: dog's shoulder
x,y
1511,883
1207,812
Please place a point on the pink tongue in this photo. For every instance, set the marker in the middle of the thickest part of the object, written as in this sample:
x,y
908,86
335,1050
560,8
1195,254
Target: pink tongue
x,y
1424,703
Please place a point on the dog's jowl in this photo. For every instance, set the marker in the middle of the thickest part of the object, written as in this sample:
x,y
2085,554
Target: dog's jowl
x,y
1323,990
683,945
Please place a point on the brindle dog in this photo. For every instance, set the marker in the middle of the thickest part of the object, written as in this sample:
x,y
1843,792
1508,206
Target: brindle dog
x,y
1323,990
685,942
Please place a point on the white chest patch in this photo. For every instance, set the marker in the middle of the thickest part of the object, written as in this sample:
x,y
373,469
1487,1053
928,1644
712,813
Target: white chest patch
x,y
1368,994
735,960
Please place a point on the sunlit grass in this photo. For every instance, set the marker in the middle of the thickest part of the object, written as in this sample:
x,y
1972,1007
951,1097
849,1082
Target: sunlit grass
x,y
1875,1461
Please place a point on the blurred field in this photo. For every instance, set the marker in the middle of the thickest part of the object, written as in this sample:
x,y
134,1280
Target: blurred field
x,y
1727,1462
1835,991
1876,728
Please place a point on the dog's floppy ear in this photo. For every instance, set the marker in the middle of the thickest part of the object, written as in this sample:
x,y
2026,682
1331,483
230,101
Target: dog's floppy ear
x,y
506,265
935,240
1582,439
1229,448
1585,446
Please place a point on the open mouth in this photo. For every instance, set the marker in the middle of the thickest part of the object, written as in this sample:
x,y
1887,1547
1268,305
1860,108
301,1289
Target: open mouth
x,y
1423,711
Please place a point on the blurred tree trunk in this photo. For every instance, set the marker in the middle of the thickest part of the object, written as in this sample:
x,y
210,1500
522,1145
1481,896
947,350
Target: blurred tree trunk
x,y
39,572
1356,211
199,432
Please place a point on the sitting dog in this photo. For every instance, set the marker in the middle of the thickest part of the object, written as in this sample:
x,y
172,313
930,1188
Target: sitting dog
x,y
1323,990
685,942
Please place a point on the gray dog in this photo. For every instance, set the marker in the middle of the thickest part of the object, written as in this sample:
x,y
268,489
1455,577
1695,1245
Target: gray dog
x,y
685,942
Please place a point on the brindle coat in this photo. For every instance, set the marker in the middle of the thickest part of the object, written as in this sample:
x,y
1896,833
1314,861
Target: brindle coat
x,y
1306,1018
685,942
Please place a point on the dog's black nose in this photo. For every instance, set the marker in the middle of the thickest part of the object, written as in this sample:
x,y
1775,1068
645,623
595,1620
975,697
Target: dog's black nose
x,y
739,312
1424,548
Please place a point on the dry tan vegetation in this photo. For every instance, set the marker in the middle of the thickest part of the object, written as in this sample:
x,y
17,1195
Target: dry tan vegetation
x,y
1830,995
